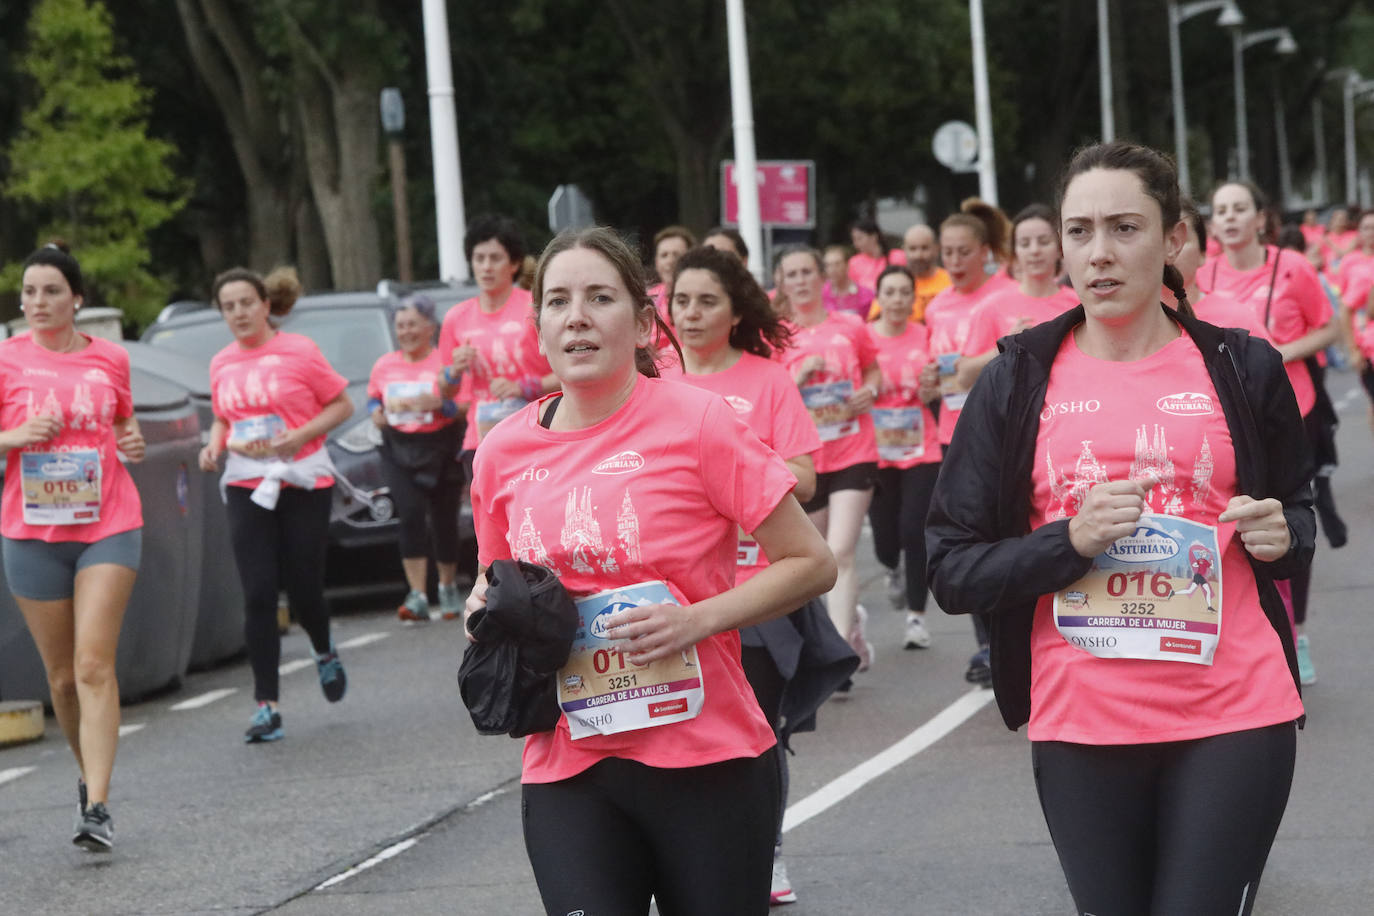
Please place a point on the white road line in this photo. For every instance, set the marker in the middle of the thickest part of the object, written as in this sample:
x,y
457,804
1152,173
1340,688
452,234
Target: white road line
x,y
363,640
131,728
394,849
948,719
294,666
1346,399
14,773
205,699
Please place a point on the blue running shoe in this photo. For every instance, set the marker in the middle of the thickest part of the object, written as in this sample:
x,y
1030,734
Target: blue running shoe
x,y
266,725
96,831
333,681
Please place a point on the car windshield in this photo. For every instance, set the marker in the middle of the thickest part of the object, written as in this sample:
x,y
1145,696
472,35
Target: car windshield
x,y
350,338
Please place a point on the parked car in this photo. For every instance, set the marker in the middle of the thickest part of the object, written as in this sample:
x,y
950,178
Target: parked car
x,y
352,330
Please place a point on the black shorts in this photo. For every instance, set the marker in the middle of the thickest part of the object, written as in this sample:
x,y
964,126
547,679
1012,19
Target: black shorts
x,y
861,476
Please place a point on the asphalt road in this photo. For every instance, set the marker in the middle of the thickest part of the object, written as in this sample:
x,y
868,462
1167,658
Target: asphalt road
x,y
945,822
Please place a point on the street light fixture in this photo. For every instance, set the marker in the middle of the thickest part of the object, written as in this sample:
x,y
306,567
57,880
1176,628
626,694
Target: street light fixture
x,y
1231,17
1239,42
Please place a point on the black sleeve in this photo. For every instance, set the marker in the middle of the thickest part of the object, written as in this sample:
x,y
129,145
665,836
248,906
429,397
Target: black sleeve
x,y
972,567
1288,455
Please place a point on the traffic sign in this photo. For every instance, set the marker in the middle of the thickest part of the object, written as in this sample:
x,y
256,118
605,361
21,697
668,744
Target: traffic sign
x,y
569,208
956,146
787,193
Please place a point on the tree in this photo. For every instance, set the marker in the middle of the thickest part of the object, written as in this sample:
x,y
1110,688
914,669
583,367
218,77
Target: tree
x,y
83,158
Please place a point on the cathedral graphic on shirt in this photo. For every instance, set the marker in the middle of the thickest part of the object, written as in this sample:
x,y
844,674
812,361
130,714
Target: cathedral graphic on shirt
x,y
1150,459
529,546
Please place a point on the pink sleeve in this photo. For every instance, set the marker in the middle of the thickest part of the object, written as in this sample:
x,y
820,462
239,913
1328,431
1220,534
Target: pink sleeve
x,y
793,432
374,388
124,395
864,347
1307,289
491,526
325,383
448,337
982,330
744,479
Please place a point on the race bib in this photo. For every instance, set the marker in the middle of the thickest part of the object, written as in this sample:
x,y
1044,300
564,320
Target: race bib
x,y
489,413
603,693
951,397
401,400
61,488
747,554
900,432
1154,594
829,409
262,428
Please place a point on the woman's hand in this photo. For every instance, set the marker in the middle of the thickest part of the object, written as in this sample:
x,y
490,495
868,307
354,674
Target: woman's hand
x,y
34,431
1110,511
132,444
379,417
808,367
655,631
477,599
463,357
209,458
861,401
503,388
1261,524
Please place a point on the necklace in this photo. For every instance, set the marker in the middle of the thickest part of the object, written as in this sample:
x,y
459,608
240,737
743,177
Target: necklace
x,y
68,347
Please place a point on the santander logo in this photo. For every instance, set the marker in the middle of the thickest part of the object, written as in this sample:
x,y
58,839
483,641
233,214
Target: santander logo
x,y
1185,404
626,462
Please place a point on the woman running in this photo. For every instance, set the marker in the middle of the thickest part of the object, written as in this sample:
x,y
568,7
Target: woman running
x,y
71,517
840,293
970,241
1104,459
670,243
275,396
834,363
419,441
632,489
728,332
908,449
869,258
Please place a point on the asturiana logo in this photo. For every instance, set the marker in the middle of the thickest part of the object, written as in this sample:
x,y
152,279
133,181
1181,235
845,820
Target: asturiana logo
x,y
626,462
96,375
1145,545
1185,404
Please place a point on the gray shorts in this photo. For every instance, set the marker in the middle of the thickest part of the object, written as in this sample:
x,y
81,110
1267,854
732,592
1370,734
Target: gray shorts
x,y
43,571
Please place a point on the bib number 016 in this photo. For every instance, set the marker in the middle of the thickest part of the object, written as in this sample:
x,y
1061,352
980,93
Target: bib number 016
x,y
1160,584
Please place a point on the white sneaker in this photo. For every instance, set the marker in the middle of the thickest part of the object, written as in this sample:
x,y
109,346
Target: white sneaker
x,y
917,636
782,888
858,641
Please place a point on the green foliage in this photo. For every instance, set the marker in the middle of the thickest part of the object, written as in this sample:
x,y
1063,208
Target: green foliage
x,y
83,160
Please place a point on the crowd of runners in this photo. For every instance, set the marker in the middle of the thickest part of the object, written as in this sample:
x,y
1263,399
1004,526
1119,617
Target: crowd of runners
x,y
1039,417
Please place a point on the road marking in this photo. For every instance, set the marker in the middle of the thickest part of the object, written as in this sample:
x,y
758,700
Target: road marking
x,y
837,790
131,728
363,640
298,664
1346,399
395,849
205,699
14,773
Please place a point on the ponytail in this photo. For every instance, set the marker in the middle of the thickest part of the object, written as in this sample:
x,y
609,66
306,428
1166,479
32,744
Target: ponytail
x,y
1174,281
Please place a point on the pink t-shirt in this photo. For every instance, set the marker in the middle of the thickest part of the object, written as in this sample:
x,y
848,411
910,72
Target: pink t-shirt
x,y
395,378
654,492
1156,417
1225,311
854,302
1313,235
1335,244
765,398
864,269
1298,307
1000,312
1358,281
507,345
89,390
949,316
842,341
287,378
902,358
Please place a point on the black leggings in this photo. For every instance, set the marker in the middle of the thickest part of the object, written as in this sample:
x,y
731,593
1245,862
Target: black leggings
x,y
898,516
421,512
280,549
1179,827
769,685
699,839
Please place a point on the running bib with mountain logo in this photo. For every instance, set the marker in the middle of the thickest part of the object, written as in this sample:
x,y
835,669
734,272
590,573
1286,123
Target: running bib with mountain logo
x,y
400,400
61,488
952,397
828,404
1154,594
489,413
262,428
603,693
900,432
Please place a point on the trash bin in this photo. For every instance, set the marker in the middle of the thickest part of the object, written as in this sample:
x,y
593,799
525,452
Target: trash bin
x,y
159,624
219,623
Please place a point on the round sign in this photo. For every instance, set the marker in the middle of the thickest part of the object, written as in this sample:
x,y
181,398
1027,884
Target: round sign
x,y
955,145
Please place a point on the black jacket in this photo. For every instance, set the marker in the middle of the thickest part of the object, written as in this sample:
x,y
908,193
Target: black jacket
x,y
984,558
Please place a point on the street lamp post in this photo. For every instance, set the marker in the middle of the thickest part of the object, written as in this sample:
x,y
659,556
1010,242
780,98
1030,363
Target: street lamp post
x,y
1104,71
1239,42
1354,87
982,105
1230,17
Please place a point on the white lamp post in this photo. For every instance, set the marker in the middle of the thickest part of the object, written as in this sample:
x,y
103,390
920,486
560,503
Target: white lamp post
x,y
1104,73
982,105
1239,42
742,112
1354,87
443,127
1231,17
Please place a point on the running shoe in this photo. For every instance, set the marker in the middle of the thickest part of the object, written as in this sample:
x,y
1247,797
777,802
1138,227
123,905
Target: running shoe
x,y
80,797
980,668
782,888
266,725
917,636
1307,672
858,641
333,681
896,589
415,607
450,602
96,832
